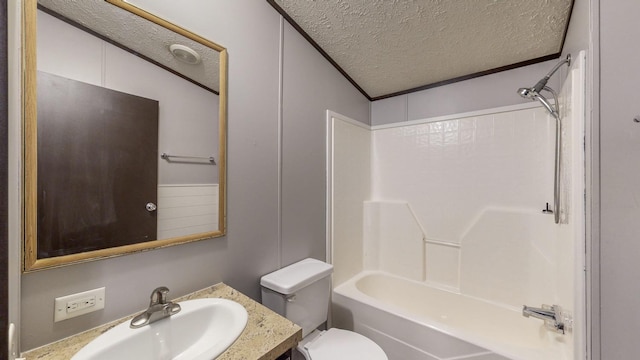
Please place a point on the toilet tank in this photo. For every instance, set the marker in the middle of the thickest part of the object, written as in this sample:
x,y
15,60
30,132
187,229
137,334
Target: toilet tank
x,y
300,292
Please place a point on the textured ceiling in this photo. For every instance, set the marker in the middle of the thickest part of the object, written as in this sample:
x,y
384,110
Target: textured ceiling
x,y
391,46
141,36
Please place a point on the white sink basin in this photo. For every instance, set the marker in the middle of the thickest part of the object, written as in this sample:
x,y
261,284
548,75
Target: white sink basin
x,y
203,329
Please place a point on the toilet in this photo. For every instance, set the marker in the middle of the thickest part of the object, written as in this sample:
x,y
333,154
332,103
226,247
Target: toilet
x,y
300,292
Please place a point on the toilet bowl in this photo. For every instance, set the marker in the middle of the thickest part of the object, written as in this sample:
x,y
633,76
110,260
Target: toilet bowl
x,y
301,292
335,344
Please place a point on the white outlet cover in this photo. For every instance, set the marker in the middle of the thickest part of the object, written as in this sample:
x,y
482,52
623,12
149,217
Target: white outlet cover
x,y
60,304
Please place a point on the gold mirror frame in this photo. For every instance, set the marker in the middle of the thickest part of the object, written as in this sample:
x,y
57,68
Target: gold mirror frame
x,y
30,149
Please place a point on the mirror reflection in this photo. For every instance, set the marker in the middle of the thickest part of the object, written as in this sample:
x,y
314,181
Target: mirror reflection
x,y
125,150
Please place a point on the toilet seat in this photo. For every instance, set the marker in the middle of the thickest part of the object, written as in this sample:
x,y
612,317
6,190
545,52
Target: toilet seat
x,y
336,344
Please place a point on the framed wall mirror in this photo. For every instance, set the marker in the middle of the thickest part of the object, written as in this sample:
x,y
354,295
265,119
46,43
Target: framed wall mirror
x,y
124,132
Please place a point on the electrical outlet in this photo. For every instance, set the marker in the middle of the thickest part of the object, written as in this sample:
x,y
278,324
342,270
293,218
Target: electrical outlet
x,y
73,305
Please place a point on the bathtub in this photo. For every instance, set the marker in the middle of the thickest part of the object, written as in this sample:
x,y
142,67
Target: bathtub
x,y
411,320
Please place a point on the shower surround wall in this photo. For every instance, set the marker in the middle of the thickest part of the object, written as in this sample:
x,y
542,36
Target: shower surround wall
x,y
478,182
456,204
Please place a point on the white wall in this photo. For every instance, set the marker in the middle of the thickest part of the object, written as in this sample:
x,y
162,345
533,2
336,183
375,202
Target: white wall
x,y
350,182
456,202
455,205
251,31
477,185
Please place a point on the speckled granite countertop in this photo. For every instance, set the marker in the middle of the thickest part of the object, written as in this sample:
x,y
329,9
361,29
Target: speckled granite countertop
x,y
266,336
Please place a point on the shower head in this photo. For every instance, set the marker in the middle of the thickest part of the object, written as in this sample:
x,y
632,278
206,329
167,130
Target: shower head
x,y
531,93
526,93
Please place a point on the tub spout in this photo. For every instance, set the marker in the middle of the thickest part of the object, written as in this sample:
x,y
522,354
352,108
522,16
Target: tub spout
x,y
552,315
538,313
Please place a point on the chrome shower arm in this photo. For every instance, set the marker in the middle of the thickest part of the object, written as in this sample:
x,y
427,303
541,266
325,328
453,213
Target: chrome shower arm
x,y
542,84
567,61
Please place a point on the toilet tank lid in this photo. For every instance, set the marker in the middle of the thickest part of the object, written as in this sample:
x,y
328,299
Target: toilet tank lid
x,y
294,277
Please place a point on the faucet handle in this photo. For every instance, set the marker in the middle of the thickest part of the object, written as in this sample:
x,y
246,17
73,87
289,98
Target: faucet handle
x,y
159,295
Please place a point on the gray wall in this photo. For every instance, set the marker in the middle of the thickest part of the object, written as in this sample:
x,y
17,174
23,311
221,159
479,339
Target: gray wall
x,y
307,96
251,31
619,179
15,151
4,152
578,35
485,92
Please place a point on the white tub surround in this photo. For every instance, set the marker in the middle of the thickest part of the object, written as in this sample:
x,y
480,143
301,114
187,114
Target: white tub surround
x,y
453,234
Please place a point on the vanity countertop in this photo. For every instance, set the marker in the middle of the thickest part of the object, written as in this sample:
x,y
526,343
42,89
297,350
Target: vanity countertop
x,y
266,336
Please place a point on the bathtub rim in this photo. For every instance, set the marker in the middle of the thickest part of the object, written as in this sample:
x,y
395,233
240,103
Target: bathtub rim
x,y
348,289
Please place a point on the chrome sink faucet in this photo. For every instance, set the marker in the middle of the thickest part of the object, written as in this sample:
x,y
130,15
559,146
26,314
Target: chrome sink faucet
x,y
159,308
555,319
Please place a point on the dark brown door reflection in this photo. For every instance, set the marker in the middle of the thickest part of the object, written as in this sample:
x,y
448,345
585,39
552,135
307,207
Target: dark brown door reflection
x,y
97,167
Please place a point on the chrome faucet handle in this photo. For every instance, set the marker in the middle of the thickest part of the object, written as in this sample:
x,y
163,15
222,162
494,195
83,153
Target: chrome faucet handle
x,y
159,308
159,295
